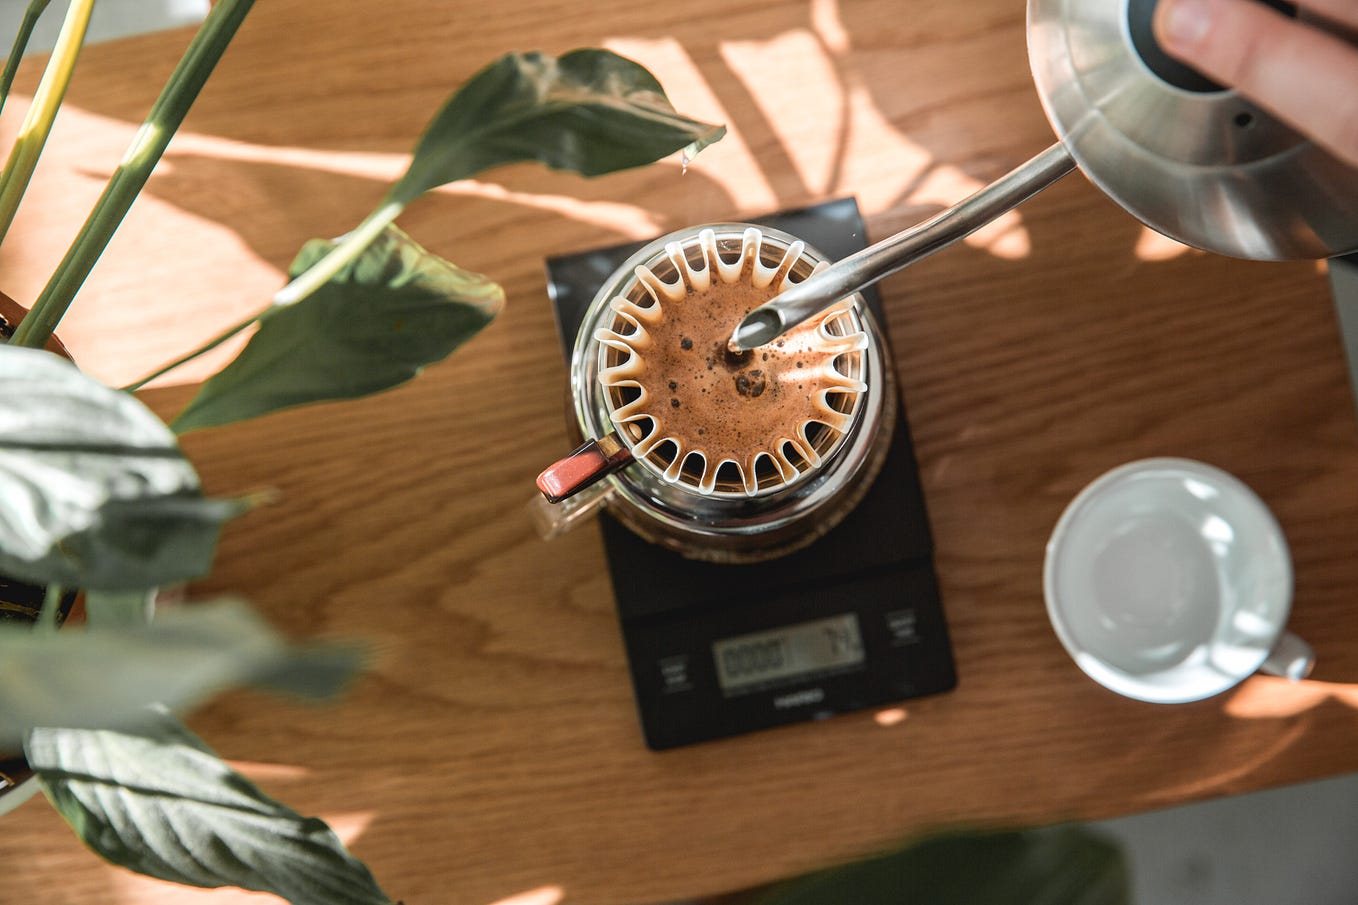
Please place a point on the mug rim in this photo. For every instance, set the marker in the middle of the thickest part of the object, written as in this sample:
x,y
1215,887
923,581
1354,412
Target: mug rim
x,y
1111,676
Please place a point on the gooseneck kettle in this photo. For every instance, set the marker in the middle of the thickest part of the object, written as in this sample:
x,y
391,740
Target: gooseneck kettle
x,y
1189,158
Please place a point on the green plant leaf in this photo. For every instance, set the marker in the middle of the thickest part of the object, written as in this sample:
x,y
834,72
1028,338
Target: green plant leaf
x,y
376,324
1065,865
159,802
97,493
119,609
105,677
591,111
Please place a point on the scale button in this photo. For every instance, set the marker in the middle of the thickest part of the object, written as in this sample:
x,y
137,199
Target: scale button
x,y
674,674
903,625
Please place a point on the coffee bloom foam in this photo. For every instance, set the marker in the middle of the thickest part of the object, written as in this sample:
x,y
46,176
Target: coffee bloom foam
x,y
742,427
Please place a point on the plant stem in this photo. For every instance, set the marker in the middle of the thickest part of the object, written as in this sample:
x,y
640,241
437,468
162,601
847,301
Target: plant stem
x,y
42,112
165,117
51,602
185,359
349,248
16,54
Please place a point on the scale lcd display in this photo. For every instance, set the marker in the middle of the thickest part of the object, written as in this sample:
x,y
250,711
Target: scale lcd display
x,y
791,652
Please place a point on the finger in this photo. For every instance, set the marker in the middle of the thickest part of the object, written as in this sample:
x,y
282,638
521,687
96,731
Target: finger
x,y
1298,73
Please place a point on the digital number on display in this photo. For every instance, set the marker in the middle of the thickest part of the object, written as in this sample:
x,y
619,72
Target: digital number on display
x,y
788,653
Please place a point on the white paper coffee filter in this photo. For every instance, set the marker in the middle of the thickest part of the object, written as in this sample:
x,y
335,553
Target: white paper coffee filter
x,y
812,376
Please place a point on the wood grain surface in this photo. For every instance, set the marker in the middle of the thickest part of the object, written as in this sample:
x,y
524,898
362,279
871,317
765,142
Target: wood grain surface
x,y
492,751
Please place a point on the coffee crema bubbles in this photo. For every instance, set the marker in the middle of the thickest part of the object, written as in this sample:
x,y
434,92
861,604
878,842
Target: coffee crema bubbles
x,y
717,421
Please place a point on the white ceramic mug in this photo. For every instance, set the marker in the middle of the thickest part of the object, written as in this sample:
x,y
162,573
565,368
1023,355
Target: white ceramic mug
x,y
1169,580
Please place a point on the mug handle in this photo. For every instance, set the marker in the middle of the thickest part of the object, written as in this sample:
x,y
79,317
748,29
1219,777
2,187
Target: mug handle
x,y
1291,658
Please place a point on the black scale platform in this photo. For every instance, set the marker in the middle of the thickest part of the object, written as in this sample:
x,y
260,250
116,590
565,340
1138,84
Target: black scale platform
x,y
850,622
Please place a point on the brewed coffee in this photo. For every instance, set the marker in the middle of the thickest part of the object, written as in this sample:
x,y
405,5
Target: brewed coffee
x,y
716,420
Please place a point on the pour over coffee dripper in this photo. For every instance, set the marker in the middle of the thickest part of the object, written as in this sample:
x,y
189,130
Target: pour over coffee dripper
x,y
726,460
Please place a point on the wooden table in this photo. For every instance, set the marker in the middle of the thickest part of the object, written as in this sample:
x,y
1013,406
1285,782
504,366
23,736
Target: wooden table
x,y
492,750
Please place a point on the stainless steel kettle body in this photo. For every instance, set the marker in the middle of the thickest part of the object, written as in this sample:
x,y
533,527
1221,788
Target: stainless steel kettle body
x,y
1190,159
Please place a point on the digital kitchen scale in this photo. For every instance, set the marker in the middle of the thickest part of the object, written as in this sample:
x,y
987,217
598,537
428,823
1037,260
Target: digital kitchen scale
x,y
851,621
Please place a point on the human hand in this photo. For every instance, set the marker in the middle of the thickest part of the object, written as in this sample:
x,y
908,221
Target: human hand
x,y
1301,74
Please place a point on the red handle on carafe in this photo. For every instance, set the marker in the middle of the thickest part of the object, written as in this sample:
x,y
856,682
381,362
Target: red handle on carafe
x,y
593,461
